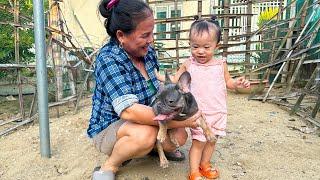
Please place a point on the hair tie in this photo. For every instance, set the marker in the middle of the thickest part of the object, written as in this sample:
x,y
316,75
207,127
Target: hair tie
x,y
196,17
112,3
214,17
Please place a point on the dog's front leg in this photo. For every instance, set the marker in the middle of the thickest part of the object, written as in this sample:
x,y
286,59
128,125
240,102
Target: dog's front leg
x,y
164,163
162,133
206,130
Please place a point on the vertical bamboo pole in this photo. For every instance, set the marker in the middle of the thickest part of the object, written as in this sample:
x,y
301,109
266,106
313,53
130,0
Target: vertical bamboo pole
x,y
226,10
289,42
248,41
199,8
275,43
176,29
276,31
273,54
56,54
70,74
56,51
17,54
302,24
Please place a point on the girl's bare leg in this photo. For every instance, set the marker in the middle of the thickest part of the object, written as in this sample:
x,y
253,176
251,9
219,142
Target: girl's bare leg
x,y
207,152
195,155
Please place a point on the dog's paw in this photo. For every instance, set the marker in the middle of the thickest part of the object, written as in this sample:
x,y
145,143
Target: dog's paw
x,y
174,140
164,163
210,137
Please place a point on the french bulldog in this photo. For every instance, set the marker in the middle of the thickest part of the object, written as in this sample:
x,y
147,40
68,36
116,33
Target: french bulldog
x,y
175,102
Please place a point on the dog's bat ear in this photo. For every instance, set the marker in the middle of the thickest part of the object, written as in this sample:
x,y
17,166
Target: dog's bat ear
x,y
184,82
167,80
161,87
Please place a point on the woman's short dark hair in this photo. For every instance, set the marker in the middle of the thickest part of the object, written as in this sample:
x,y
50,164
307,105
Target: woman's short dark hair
x,y
201,25
124,15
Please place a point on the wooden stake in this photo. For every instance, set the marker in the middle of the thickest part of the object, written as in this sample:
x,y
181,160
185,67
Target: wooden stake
x,y
308,85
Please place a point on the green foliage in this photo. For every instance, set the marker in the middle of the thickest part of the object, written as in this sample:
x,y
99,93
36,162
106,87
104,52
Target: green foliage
x,y
26,36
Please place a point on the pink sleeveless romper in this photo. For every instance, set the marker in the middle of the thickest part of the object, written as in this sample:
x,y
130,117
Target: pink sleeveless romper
x,y
209,88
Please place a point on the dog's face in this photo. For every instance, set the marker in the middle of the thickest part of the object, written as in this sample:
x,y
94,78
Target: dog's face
x,y
170,100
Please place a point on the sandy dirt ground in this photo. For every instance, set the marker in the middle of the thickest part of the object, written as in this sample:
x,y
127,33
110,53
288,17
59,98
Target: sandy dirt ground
x,y
262,142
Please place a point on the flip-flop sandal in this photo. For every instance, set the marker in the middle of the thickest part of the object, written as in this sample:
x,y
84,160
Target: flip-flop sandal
x,y
176,155
122,165
126,162
103,175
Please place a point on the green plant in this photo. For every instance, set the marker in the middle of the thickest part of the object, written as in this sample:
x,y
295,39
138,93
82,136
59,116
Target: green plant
x,y
26,34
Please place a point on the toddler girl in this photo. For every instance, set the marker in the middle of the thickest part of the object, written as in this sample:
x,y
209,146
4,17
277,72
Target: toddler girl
x,y
209,80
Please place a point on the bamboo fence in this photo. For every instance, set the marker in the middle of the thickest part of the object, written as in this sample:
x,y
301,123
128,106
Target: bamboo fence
x,y
293,42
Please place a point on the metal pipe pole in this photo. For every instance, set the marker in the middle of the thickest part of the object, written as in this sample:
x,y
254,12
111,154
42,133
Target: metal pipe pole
x,y
42,83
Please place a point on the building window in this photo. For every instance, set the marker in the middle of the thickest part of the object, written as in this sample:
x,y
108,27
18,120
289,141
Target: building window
x,y
173,24
161,27
168,12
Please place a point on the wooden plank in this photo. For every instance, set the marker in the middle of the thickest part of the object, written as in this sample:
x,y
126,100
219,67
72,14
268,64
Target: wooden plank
x,y
228,52
307,86
26,121
316,108
63,101
50,29
311,61
11,120
287,96
306,117
191,18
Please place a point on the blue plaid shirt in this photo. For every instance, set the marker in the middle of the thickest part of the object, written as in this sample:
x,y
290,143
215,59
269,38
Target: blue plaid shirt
x,y
119,85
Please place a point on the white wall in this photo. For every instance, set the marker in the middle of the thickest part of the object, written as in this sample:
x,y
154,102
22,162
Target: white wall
x,y
91,21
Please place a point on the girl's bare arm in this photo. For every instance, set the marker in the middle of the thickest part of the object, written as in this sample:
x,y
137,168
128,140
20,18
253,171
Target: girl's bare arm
x,y
234,83
174,78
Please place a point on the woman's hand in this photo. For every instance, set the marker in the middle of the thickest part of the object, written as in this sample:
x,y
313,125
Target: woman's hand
x,y
241,82
159,76
192,122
